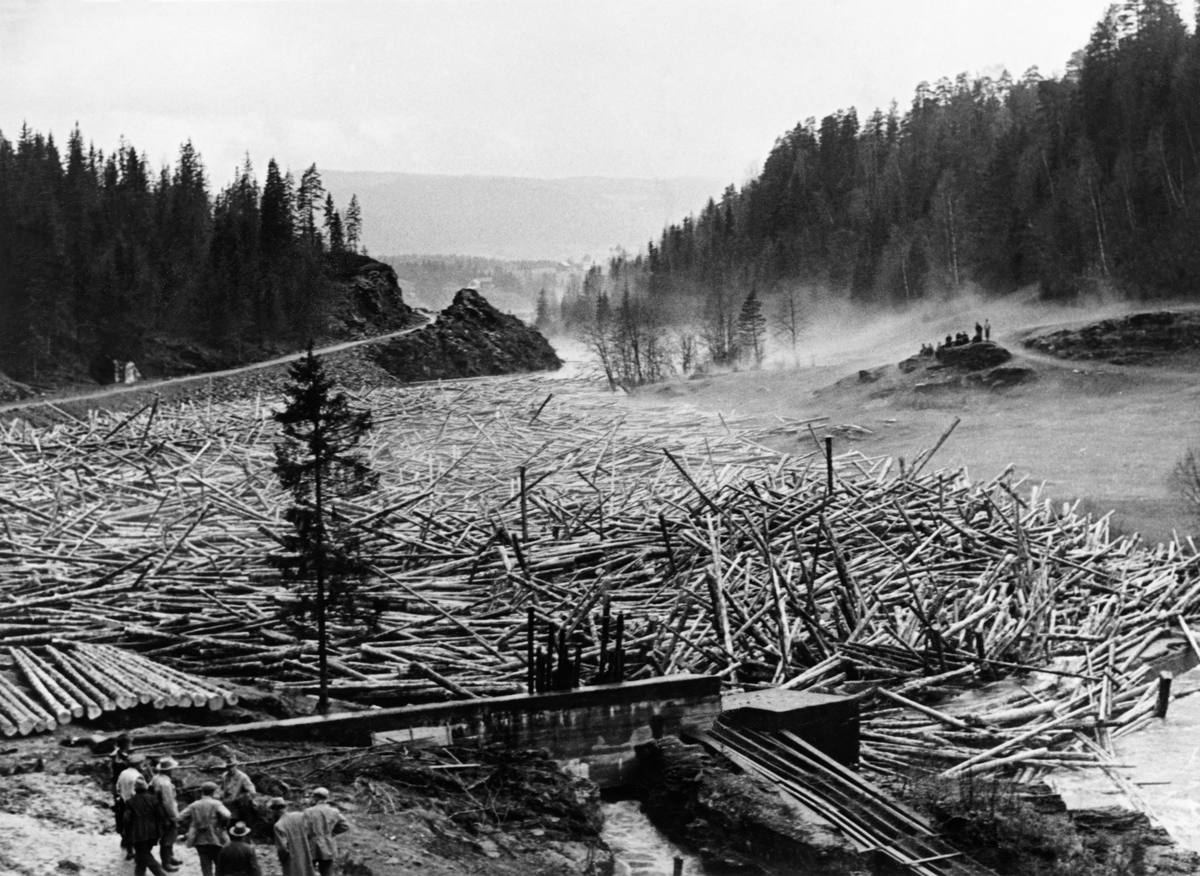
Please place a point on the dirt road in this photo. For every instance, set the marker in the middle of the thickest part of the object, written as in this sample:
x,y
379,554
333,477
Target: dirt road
x,y
153,385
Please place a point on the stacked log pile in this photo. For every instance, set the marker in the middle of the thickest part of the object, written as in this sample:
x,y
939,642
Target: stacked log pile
x,y
896,582
77,679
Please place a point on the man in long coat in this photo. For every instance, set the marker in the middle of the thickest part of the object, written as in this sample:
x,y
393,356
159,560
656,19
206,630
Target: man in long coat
x,y
324,823
145,820
291,840
162,785
124,789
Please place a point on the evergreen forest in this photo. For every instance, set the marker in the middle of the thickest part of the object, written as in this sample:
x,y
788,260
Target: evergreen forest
x,y
1073,184
99,252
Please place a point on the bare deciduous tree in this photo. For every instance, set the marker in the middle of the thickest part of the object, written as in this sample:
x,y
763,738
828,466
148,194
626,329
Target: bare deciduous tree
x,y
788,321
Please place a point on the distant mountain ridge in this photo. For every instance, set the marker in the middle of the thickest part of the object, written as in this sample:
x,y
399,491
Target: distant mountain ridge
x,y
515,217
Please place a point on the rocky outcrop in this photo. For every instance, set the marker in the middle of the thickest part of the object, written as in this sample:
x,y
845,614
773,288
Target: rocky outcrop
x,y
371,299
1138,339
733,820
974,357
470,338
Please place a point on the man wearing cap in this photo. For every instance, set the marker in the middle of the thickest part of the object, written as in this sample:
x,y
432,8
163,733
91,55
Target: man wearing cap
x,y
205,822
162,785
237,792
124,790
291,840
238,858
145,819
324,823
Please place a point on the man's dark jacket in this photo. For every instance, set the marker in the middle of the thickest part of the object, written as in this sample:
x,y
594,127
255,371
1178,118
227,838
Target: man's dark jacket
x,y
145,817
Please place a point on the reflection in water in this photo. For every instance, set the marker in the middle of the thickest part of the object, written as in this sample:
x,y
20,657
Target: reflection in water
x,y
639,847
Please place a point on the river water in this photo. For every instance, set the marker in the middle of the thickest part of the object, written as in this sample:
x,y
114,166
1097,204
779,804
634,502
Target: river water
x,y
639,847
1163,765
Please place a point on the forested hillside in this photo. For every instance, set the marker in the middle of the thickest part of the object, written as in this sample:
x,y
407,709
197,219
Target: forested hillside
x,y
99,253
1065,182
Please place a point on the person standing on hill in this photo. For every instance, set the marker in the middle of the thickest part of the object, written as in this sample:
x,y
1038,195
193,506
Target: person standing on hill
x,y
145,822
291,840
324,823
238,858
204,821
162,785
987,330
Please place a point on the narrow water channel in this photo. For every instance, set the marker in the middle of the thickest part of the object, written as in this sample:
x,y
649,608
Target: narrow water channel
x,y
1163,764
639,847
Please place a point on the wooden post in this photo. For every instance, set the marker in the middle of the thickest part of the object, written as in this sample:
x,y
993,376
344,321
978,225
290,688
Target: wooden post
x,y
662,524
678,866
829,464
604,618
1164,694
524,513
530,656
618,650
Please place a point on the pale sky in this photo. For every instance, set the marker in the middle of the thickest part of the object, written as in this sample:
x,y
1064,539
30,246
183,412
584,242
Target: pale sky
x,y
533,88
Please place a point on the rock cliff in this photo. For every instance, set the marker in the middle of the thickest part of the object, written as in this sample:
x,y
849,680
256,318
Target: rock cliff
x,y
470,338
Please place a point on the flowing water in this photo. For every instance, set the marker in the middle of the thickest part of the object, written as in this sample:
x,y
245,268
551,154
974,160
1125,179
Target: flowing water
x,y
1163,766
639,847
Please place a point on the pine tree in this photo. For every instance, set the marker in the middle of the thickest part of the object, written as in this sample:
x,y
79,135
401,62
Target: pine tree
x,y
543,320
275,214
333,226
752,328
353,224
308,195
317,462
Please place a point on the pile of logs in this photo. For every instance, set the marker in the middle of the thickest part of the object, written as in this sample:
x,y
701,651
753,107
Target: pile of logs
x,y
507,499
75,680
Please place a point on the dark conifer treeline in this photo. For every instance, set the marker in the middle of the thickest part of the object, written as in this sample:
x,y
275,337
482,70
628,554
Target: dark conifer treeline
x,y
1065,182
98,253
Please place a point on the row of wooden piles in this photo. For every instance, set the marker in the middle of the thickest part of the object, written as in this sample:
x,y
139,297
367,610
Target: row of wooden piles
x,y
896,582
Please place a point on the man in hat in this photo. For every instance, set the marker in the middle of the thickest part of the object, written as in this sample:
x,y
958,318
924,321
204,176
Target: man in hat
x,y
204,821
238,858
291,840
237,791
324,823
162,785
123,789
145,819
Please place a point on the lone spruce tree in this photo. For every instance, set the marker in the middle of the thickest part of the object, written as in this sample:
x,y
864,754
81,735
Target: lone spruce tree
x,y
316,461
752,328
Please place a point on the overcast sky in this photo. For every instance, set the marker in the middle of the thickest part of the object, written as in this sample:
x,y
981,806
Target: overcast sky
x,y
533,88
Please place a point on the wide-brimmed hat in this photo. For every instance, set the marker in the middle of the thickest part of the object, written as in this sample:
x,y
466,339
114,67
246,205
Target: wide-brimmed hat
x,y
239,829
167,763
320,793
137,757
277,803
208,787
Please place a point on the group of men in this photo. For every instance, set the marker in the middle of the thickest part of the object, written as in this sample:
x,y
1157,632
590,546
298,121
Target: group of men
x,y
217,825
960,339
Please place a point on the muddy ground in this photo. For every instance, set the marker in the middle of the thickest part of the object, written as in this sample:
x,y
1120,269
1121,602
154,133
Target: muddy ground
x,y
435,811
